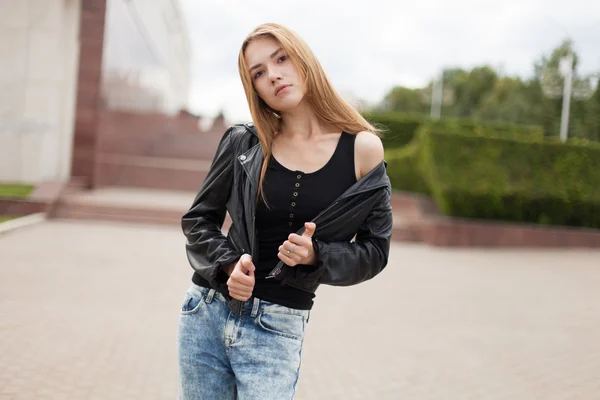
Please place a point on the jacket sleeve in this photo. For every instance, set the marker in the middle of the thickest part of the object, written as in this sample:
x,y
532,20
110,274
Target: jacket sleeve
x,y
350,263
207,248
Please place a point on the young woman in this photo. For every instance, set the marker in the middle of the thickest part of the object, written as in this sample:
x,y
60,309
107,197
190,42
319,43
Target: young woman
x,y
309,198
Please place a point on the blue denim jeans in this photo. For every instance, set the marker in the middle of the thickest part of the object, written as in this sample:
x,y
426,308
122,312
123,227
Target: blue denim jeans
x,y
224,356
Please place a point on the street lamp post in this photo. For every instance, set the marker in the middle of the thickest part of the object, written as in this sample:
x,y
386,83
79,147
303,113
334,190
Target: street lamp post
x,y
436,96
566,70
570,87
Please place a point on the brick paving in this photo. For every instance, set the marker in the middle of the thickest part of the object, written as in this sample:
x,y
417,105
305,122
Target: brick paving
x,y
89,310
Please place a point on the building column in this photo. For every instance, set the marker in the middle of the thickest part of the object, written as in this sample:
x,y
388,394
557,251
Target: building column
x,y
88,104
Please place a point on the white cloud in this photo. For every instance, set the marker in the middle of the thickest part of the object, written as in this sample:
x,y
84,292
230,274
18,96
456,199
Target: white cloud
x,y
367,48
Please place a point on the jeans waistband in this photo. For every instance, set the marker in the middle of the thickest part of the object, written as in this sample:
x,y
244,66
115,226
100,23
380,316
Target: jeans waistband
x,y
250,307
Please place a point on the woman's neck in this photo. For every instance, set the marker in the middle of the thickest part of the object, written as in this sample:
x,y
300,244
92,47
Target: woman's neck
x,y
303,121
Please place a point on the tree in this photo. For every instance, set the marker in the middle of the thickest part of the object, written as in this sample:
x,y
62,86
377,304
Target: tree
x,y
506,101
479,82
402,99
483,94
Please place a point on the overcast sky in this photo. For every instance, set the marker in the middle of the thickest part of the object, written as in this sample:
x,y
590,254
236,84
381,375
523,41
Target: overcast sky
x,y
369,47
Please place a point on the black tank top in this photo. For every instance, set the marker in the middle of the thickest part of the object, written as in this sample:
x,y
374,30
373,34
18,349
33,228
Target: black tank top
x,y
294,198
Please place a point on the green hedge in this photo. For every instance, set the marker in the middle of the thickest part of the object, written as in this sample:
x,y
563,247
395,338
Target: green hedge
x,y
404,169
400,129
494,171
524,180
477,128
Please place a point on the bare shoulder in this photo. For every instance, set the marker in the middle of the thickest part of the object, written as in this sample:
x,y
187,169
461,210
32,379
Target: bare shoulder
x,y
368,152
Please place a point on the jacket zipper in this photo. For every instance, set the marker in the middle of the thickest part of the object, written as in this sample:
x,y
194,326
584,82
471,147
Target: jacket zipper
x,y
325,210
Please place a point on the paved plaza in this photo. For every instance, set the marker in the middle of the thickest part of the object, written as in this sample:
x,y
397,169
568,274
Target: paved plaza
x,y
89,310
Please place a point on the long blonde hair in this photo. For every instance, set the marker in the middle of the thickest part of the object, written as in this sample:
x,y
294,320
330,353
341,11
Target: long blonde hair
x,y
326,102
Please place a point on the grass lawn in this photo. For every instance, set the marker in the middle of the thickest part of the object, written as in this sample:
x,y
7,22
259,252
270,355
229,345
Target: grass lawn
x,y
2,218
15,190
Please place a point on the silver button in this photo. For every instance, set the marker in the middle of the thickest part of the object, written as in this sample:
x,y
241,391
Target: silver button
x,y
295,194
299,176
297,185
290,224
243,157
291,215
293,204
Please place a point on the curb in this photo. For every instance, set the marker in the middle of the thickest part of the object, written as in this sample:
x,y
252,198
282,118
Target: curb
x,y
21,222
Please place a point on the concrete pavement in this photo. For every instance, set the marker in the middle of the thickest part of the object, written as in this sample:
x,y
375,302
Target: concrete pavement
x,y
89,310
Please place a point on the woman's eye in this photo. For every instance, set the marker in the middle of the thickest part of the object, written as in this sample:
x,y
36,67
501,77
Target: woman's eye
x,y
282,58
257,75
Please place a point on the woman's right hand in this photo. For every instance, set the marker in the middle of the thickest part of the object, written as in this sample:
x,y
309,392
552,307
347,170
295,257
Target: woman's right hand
x,y
241,279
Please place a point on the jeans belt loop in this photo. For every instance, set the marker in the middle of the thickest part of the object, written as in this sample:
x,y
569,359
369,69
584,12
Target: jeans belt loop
x,y
209,296
255,307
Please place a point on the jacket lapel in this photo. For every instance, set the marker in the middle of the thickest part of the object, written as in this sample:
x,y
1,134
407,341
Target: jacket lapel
x,y
251,162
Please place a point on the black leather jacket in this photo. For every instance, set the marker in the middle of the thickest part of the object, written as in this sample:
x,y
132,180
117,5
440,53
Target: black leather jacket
x,y
362,212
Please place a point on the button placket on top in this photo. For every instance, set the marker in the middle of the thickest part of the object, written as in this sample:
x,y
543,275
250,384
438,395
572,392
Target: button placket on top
x,y
294,199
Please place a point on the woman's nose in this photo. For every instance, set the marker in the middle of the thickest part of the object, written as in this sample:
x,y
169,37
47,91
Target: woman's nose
x,y
274,74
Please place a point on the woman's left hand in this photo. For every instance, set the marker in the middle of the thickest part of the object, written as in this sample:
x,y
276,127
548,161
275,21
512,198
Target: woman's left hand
x,y
299,249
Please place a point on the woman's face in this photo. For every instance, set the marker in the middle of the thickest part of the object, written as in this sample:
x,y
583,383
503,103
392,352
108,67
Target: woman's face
x,y
275,78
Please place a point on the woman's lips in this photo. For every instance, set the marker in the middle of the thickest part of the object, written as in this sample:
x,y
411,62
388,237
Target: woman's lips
x,y
281,89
